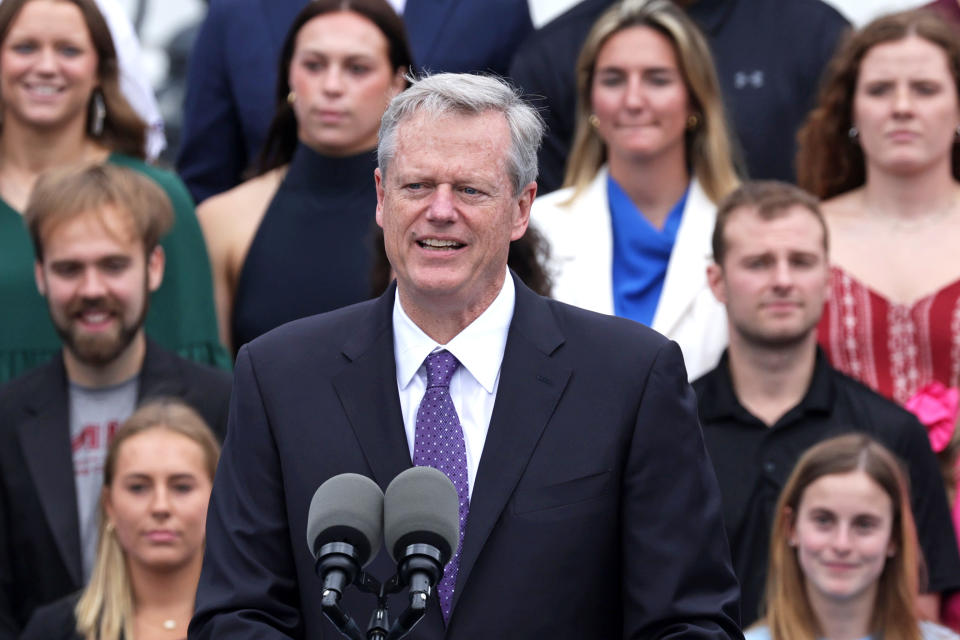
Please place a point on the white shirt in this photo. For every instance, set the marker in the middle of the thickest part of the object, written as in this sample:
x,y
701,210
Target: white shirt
x,y
473,388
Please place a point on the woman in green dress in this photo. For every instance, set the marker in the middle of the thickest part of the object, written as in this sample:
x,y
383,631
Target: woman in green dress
x,y
60,103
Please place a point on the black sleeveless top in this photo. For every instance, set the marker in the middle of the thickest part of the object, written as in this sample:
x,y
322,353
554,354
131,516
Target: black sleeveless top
x,y
313,250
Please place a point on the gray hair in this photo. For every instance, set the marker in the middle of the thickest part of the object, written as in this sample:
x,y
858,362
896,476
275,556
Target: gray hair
x,y
468,94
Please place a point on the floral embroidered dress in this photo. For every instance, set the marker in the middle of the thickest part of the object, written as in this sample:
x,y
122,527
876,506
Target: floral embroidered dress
x,y
892,348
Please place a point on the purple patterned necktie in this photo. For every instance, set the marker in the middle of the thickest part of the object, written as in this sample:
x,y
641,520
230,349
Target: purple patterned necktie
x,y
438,443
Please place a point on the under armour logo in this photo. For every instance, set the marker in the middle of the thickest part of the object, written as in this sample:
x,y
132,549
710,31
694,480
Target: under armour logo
x,y
743,79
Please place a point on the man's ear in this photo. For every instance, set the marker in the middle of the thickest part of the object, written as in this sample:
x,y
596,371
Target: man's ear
x,y
39,278
522,219
156,262
715,280
378,181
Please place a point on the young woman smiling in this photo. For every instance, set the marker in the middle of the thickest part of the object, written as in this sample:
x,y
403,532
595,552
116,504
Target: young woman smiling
x,y
844,560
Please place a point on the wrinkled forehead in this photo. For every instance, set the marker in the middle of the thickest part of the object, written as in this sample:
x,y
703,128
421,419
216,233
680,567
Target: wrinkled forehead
x,y
477,140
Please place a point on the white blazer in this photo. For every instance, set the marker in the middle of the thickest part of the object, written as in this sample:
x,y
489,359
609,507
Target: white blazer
x,y
580,236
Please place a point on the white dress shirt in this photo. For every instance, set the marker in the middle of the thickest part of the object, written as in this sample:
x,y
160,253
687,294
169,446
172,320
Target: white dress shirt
x,y
473,388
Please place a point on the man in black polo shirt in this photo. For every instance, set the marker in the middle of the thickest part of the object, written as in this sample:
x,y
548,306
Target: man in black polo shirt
x,y
773,394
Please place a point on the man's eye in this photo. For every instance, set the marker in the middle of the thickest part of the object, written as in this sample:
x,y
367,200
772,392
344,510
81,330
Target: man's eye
x,y
66,270
115,266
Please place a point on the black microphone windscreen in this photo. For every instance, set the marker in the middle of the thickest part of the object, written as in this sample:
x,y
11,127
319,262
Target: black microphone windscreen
x,y
421,506
347,508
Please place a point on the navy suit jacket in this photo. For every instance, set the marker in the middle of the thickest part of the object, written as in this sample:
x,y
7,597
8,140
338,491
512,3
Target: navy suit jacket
x,y
40,558
233,72
595,512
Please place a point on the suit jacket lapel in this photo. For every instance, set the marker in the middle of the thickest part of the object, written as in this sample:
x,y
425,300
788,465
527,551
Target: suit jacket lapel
x,y
47,451
530,387
367,388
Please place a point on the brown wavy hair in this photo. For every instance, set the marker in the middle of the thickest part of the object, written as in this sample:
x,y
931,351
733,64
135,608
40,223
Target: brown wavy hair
x,y
829,161
123,129
789,615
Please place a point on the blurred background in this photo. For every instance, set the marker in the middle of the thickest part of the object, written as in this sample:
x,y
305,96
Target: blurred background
x,y
167,29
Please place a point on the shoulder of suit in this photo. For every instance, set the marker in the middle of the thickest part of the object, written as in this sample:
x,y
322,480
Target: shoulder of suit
x,y
322,327
29,382
190,370
621,332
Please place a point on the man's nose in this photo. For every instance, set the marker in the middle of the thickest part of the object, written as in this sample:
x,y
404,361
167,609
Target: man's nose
x,y
93,284
442,205
783,274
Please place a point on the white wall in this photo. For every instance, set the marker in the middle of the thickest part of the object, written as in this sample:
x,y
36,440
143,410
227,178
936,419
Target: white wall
x,y
859,12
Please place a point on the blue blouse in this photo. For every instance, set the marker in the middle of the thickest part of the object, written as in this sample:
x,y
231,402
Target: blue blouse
x,y
641,253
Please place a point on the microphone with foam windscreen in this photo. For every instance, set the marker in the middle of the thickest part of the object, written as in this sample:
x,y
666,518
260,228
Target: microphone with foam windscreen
x,y
344,530
421,523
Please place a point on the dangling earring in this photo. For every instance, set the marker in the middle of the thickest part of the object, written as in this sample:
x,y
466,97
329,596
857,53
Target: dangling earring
x,y
693,121
853,133
594,121
291,97
98,113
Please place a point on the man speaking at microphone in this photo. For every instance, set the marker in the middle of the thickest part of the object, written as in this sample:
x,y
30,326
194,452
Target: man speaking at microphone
x,y
588,506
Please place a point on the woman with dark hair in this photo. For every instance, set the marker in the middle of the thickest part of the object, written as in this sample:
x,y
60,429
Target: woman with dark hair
x,y
630,231
298,239
844,561
157,479
60,103
881,149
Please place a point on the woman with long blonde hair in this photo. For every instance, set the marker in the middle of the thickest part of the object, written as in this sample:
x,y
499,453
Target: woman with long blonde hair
x,y
630,231
157,480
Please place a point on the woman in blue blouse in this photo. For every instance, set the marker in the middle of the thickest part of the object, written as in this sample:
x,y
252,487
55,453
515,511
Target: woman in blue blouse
x,y
630,232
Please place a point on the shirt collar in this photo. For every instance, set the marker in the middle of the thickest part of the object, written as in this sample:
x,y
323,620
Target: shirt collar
x,y
479,347
718,399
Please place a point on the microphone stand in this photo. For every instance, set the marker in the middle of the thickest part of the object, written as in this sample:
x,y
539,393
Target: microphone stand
x,y
419,570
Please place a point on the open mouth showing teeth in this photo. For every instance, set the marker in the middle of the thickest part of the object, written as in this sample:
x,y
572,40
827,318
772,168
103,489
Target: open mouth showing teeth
x,y
430,243
44,90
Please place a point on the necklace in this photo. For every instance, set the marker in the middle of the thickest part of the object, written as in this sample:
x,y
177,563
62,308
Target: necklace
x,y
169,624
